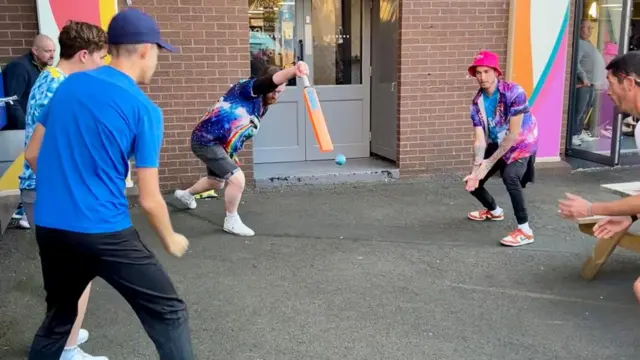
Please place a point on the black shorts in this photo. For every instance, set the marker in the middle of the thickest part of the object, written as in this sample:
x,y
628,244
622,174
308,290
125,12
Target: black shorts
x,y
219,164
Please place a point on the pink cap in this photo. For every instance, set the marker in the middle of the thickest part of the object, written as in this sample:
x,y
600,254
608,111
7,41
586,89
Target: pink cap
x,y
485,58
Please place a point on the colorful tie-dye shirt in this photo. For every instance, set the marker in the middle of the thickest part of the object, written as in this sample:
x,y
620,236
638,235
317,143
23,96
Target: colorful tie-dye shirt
x,y
512,101
234,119
42,91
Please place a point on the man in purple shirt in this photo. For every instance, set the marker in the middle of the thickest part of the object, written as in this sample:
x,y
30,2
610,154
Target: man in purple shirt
x,y
506,140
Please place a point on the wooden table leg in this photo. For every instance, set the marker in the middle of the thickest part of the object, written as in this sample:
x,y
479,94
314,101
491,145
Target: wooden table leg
x,y
601,252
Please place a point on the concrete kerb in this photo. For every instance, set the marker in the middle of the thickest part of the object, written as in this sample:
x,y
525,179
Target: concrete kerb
x,y
9,200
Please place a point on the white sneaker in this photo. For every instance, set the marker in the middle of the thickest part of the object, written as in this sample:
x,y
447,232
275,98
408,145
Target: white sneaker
x,y
575,140
24,223
83,336
76,353
234,225
187,199
586,136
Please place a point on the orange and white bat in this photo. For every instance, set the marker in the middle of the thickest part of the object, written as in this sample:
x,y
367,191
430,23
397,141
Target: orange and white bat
x,y
316,116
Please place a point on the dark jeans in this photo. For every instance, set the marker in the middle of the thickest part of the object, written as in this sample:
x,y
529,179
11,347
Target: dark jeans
x,y
585,96
71,260
511,177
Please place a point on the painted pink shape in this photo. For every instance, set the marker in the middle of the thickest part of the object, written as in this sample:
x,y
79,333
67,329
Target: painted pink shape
x,y
548,107
78,10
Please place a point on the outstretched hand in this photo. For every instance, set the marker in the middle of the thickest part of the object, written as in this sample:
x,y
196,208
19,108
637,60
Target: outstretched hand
x,y
471,182
611,225
574,207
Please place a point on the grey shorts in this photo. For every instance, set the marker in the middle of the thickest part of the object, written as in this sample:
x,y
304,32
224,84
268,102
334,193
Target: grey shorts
x,y
219,164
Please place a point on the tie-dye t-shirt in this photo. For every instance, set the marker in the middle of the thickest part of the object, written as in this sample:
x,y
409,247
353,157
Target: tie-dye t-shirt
x,y
42,91
512,101
234,119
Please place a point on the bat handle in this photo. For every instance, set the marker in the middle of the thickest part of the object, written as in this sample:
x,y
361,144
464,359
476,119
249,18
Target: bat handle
x,y
305,81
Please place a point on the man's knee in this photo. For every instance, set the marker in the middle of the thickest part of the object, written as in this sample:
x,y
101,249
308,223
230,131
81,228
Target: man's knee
x,y
169,307
512,175
511,180
214,183
237,179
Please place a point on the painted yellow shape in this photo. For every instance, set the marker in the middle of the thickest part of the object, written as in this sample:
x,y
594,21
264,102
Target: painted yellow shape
x,y
9,180
108,9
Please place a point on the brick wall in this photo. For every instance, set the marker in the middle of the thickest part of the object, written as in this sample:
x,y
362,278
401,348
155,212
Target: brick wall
x,y
214,44
214,53
18,27
438,40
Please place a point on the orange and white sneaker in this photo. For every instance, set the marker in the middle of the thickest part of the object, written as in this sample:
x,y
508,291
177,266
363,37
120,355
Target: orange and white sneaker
x,y
482,215
517,238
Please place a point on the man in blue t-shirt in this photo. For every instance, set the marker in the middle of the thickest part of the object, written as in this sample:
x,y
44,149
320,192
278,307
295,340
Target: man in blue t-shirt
x,y
222,132
95,122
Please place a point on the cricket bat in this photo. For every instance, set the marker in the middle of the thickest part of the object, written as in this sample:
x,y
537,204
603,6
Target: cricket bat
x,y
316,116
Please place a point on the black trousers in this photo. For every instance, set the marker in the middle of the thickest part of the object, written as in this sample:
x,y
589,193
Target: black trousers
x,y
512,175
71,260
585,97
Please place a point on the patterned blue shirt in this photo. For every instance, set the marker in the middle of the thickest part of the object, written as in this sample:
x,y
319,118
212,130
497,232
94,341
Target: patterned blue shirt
x,y
42,91
231,121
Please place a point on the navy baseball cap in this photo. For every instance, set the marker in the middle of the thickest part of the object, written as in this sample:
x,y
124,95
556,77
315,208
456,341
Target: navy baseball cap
x,y
132,26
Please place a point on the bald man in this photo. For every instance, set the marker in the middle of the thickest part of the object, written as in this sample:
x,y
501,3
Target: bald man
x,y
19,76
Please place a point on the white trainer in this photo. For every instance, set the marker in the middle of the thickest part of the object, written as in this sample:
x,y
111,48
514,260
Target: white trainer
x,y
187,199
77,354
24,223
83,336
234,225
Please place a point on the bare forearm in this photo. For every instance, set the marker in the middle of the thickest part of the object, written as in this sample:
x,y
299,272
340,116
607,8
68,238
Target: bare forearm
x,y
507,143
624,207
158,217
283,76
479,149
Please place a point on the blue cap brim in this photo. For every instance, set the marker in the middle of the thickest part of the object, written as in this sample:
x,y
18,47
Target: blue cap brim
x,y
165,45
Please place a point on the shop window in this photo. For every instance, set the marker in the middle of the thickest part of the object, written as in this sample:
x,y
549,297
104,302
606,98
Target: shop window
x,y
272,34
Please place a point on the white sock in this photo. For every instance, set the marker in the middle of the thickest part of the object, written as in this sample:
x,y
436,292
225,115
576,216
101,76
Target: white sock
x,y
232,215
525,227
497,211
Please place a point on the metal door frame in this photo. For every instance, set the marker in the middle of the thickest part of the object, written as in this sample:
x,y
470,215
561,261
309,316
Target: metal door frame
x,y
613,158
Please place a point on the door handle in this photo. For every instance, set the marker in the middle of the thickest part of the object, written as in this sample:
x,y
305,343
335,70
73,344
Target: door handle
x,y
393,86
301,50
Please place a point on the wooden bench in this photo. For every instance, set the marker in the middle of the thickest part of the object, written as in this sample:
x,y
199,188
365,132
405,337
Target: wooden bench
x,y
605,247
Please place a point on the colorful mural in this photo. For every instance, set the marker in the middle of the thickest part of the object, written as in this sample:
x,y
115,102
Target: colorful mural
x,y
537,60
52,16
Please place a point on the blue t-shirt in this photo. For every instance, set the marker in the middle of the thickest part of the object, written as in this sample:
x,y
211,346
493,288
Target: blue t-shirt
x,y
95,122
233,120
490,106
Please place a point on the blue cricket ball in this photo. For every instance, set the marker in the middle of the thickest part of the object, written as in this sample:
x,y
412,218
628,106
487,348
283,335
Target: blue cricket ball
x,y
340,159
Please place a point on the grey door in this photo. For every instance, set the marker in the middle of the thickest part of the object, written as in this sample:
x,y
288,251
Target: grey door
x,y
329,36
273,39
384,61
336,47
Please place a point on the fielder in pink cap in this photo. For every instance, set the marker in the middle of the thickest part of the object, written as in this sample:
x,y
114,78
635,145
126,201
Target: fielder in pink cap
x,y
506,141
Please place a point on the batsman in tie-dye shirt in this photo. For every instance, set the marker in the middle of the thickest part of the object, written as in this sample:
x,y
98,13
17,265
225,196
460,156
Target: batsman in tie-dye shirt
x,y
510,100
231,121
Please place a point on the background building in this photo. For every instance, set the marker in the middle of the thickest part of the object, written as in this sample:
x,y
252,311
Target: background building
x,y
391,74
